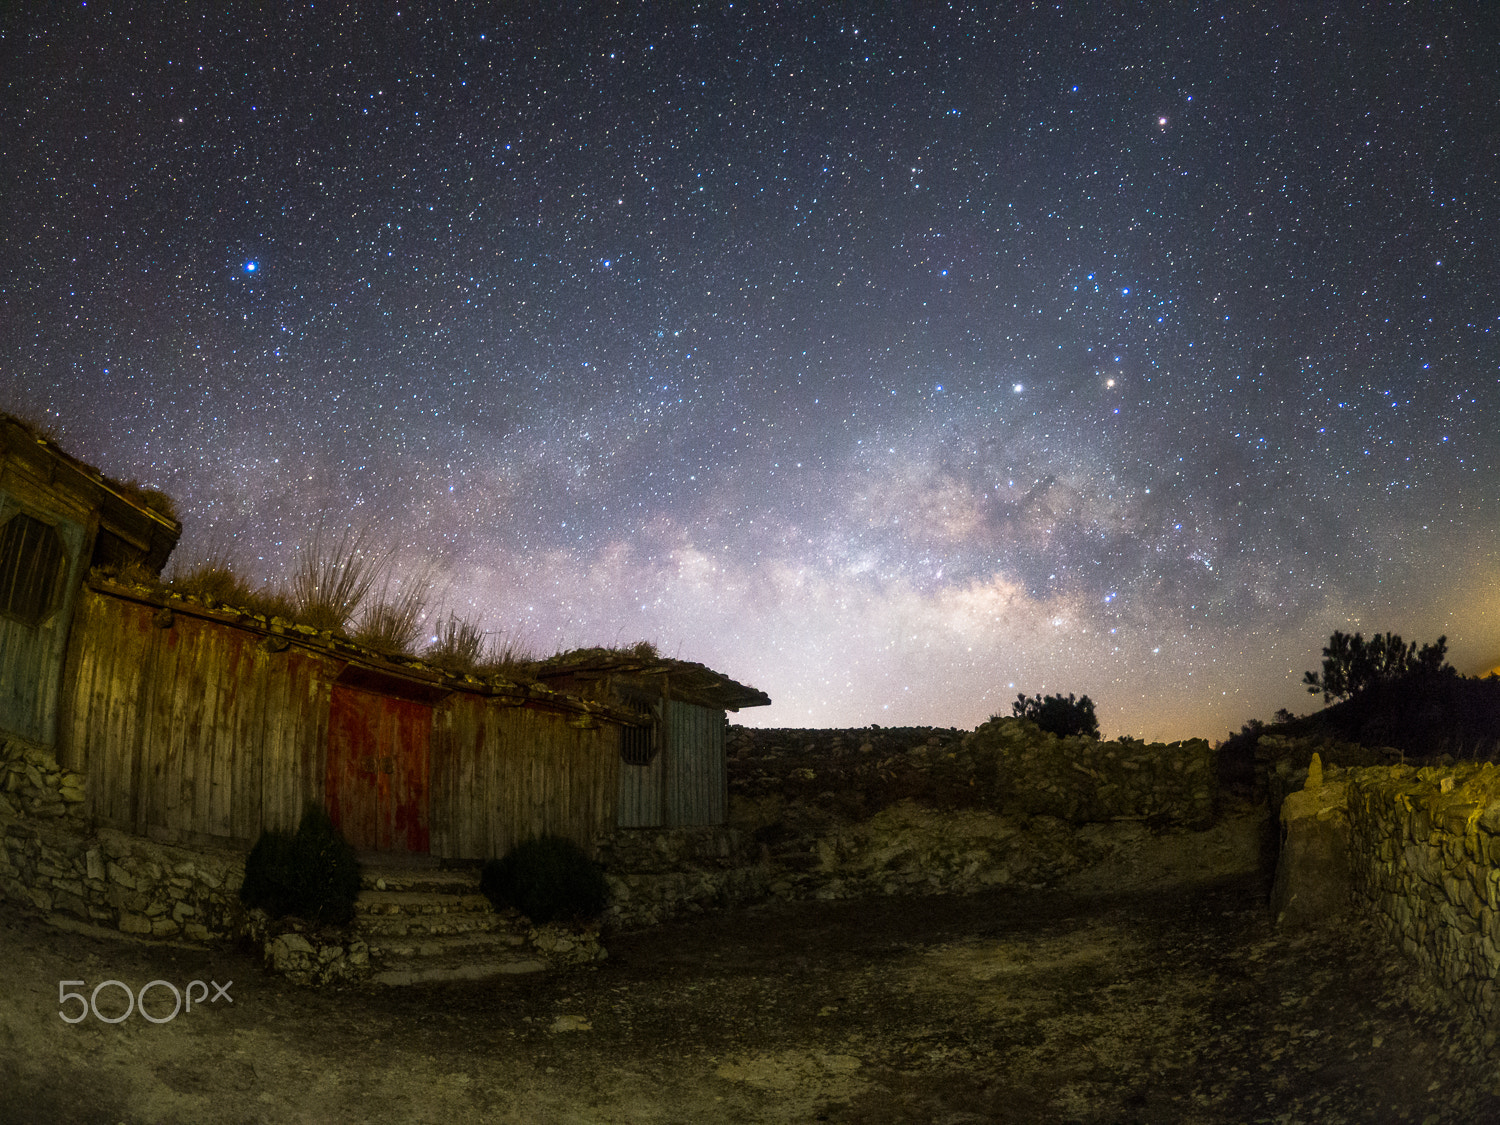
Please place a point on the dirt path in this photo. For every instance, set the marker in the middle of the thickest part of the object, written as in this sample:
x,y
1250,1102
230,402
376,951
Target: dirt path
x,y
1182,1006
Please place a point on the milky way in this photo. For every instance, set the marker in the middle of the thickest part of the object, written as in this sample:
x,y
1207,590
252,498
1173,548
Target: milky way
x,y
894,362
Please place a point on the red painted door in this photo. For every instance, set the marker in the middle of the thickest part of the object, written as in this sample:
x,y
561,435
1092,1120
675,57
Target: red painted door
x,y
378,752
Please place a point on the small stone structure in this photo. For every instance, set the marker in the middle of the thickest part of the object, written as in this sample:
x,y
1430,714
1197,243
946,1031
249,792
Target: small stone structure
x,y
1416,850
1424,848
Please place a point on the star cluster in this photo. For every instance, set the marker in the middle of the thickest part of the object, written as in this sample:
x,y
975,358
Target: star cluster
x,y
893,359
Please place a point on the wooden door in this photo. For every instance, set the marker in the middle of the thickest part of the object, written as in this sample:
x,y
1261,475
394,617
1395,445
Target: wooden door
x,y
379,748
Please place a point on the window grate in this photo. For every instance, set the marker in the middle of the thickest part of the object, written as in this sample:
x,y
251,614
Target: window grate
x,y
638,744
32,561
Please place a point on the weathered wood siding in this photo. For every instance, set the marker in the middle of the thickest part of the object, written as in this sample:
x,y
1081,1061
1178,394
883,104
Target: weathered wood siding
x,y
32,656
193,728
643,788
697,785
501,773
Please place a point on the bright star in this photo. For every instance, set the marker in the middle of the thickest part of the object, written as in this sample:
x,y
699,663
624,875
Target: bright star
x,y
251,267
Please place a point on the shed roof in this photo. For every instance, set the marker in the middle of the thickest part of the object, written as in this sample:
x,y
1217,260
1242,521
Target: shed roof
x,y
689,682
383,673
141,518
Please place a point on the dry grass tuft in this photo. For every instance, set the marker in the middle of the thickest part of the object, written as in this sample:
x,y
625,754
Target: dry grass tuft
x,y
510,655
393,624
214,582
459,645
153,498
331,582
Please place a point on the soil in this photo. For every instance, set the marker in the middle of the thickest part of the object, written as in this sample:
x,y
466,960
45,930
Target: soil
x,y
1181,1004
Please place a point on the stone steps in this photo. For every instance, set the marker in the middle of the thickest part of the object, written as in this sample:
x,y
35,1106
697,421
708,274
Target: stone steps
x,y
427,923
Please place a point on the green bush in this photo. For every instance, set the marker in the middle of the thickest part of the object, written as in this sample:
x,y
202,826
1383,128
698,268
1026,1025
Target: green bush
x,y
311,873
545,878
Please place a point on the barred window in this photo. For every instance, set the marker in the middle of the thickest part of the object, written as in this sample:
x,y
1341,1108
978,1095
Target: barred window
x,y
638,744
32,562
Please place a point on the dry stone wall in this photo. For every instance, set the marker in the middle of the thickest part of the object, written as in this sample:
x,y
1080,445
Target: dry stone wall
x,y
1087,781
1007,766
1424,853
830,814
49,860
659,873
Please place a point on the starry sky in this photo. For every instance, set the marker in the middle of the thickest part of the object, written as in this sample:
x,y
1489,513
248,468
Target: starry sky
x,y
893,359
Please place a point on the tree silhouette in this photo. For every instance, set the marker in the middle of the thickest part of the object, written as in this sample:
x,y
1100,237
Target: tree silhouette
x,y
1352,664
1057,715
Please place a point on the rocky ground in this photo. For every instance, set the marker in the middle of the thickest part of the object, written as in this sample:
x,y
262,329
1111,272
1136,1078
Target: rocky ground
x,y
1176,1003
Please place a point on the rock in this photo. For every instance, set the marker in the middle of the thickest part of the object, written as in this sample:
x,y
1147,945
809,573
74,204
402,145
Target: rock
x,y
1313,883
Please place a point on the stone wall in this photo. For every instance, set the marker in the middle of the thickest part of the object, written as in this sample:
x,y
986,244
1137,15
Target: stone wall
x,y
659,873
51,861
830,814
1424,854
32,784
1007,766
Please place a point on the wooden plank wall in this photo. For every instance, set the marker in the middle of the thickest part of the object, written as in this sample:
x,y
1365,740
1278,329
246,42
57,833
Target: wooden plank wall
x,y
32,656
501,773
696,780
191,729
641,788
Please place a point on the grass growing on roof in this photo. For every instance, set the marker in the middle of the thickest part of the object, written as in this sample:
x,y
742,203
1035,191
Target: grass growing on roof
x,y
215,582
393,624
459,645
333,580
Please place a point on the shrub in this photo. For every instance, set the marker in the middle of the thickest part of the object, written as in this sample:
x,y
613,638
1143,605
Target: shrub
x,y
545,878
311,873
1352,665
1057,715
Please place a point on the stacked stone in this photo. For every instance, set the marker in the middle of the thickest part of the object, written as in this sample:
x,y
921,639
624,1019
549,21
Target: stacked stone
x,y
748,744
306,955
1083,780
839,775
563,944
33,784
1425,861
121,882
655,874
1006,765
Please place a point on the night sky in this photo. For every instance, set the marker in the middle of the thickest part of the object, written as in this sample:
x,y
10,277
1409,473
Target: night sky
x,y
893,359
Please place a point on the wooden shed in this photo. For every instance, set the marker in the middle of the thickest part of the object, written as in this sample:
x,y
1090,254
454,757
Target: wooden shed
x,y
191,721
58,518
673,769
